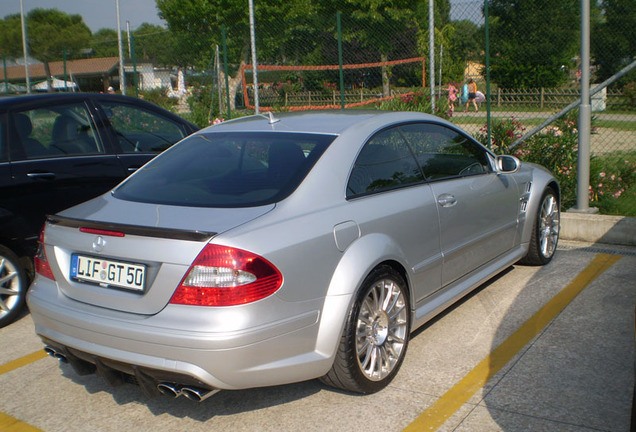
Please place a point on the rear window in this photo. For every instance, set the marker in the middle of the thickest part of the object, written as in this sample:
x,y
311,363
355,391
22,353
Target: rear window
x,y
241,169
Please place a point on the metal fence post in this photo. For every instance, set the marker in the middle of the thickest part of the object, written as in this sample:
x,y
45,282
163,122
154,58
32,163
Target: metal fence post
x,y
339,25
488,116
585,115
227,84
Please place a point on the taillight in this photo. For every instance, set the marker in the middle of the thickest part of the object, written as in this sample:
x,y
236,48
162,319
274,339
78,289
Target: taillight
x,y
225,276
42,266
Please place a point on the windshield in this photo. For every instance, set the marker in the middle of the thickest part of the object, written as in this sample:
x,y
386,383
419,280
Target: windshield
x,y
239,169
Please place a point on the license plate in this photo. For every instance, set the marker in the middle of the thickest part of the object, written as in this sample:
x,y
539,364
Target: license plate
x,y
108,273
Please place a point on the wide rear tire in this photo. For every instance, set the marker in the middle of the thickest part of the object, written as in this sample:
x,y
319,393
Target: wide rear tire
x,y
376,335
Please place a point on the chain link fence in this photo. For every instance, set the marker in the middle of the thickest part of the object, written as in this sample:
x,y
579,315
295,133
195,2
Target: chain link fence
x,y
361,55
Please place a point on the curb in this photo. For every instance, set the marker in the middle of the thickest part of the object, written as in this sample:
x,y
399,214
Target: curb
x,y
619,230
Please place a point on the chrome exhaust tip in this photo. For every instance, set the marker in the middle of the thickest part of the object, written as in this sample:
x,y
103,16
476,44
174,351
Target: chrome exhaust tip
x,y
169,389
197,394
55,354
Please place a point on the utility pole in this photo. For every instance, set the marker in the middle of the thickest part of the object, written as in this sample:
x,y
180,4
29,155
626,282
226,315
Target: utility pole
x,y
122,75
25,49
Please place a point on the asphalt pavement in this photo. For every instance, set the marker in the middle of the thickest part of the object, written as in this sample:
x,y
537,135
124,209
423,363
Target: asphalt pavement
x,y
536,349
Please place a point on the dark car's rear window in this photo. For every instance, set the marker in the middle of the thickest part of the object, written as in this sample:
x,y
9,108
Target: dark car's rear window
x,y
240,169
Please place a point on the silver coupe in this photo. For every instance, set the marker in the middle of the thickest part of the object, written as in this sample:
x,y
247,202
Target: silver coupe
x,y
279,248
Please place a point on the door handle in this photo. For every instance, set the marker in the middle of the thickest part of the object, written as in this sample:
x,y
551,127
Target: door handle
x,y
446,200
41,175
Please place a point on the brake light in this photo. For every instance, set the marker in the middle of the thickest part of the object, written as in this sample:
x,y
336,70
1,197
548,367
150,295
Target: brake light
x,y
102,232
226,276
42,266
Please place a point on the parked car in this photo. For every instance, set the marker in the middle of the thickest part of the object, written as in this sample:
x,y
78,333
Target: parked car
x,y
271,250
57,150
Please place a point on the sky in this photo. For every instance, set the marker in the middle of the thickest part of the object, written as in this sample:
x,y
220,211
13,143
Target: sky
x,y
97,14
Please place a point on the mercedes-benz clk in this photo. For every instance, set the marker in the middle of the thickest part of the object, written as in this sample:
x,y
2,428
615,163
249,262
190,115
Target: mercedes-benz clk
x,y
281,248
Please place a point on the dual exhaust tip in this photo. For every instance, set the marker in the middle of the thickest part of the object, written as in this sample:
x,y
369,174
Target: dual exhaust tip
x,y
169,389
193,393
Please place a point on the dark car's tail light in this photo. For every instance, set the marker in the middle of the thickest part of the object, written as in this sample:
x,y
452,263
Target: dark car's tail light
x,y
225,276
42,266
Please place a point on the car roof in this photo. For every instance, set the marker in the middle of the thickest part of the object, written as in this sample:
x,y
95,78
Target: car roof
x,y
321,122
17,101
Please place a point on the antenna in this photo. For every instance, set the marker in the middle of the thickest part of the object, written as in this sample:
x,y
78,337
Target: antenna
x,y
270,117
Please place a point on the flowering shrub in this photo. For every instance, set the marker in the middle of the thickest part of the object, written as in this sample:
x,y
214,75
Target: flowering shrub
x,y
612,179
612,176
417,101
503,133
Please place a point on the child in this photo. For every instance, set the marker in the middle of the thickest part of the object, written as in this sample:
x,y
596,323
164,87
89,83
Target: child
x,y
452,96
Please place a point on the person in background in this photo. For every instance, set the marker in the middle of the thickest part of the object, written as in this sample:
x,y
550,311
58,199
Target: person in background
x,y
472,94
452,96
111,90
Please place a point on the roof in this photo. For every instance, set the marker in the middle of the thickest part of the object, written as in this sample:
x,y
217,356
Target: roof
x,y
77,68
322,122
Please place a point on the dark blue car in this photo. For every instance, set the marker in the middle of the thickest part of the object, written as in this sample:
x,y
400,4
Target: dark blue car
x,y
58,150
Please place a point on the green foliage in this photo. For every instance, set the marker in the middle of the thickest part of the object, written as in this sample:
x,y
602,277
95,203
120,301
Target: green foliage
x,y
503,134
51,31
203,105
613,183
531,40
415,101
614,37
629,91
556,148
159,96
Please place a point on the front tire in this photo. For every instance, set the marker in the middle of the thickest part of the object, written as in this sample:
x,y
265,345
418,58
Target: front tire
x,y
13,286
545,232
376,335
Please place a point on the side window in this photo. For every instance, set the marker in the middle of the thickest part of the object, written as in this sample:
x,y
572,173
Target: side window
x,y
445,153
59,130
384,163
142,131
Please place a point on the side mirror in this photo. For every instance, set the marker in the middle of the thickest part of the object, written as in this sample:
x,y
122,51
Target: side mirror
x,y
507,164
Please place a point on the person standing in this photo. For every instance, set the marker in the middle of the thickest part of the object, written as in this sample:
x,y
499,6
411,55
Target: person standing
x,y
452,96
472,94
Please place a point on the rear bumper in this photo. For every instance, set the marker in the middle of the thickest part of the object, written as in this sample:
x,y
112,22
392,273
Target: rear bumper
x,y
278,352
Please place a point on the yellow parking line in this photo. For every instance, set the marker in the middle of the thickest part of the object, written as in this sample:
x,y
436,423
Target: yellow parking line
x,y
22,361
460,393
9,424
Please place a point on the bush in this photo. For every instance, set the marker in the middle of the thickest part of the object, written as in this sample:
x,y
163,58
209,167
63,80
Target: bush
x,y
159,96
612,181
416,101
556,148
503,134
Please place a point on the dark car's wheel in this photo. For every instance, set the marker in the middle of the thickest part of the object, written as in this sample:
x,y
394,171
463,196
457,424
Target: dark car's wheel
x,y
376,335
13,286
545,232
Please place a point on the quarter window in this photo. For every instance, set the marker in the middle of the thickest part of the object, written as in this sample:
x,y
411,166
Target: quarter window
x,y
384,163
142,131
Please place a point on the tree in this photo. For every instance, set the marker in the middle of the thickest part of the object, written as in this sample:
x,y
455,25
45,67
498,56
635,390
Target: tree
x,y
53,33
614,37
11,36
104,43
197,26
532,41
